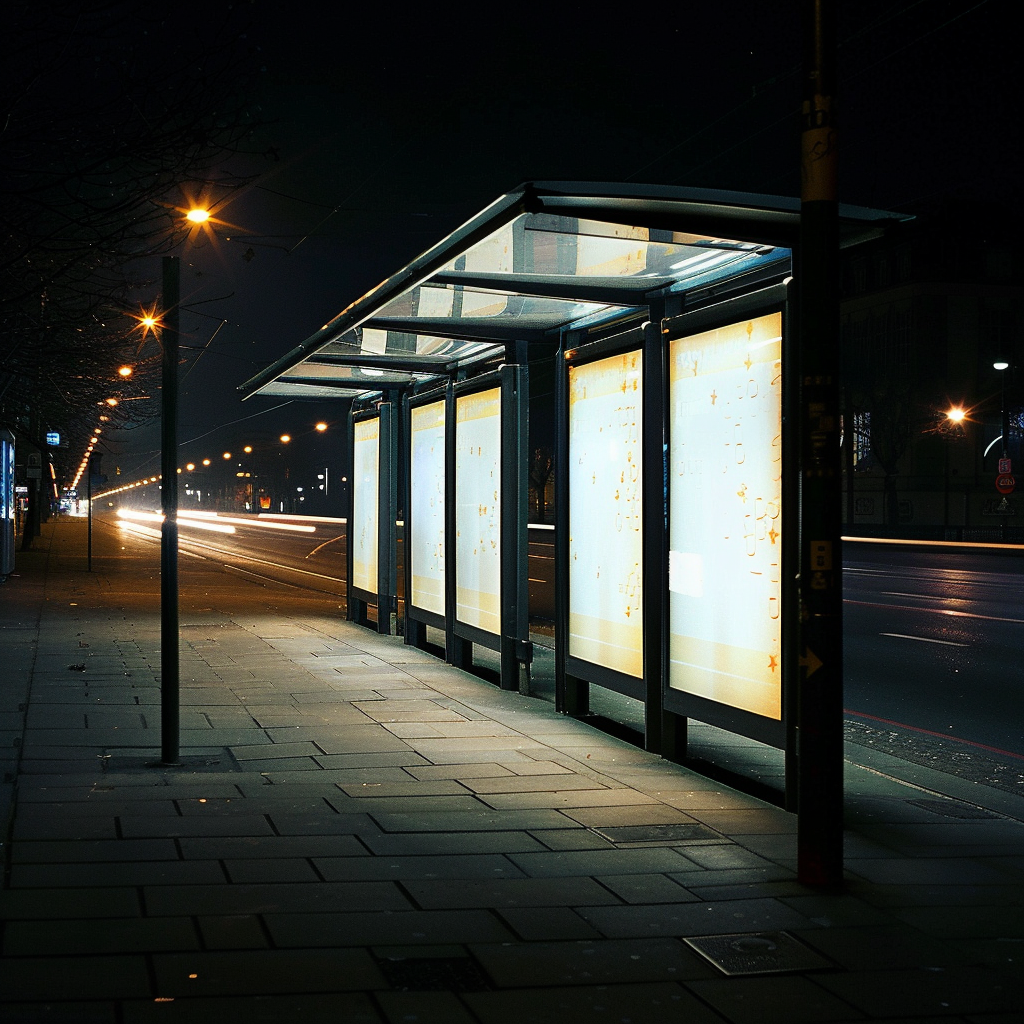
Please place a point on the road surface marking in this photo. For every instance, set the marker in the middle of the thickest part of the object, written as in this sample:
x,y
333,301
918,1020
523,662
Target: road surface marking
x,y
924,639
260,576
936,611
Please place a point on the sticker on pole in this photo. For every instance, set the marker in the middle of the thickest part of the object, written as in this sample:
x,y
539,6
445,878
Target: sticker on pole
x,y
1005,466
1005,483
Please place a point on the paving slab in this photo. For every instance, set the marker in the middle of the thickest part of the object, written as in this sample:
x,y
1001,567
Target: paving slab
x,y
83,937
652,1003
412,927
694,918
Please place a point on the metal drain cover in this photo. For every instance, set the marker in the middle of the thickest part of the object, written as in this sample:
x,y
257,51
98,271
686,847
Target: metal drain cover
x,y
758,953
657,833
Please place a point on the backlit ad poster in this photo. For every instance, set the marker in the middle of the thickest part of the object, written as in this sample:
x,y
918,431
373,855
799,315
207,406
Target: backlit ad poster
x,y
478,509
426,501
725,515
365,489
606,513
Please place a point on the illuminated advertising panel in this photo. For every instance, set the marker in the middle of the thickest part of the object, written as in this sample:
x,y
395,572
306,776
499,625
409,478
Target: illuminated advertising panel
x,y
6,480
426,501
606,513
6,504
725,515
365,490
478,509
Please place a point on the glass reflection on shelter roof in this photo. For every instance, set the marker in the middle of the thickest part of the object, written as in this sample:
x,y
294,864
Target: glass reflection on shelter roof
x,y
495,281
542,259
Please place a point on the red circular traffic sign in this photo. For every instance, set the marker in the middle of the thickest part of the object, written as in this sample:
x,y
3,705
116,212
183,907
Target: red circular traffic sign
x,y
1005,483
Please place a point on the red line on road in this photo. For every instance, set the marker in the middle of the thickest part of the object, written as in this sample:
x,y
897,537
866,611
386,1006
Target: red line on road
x,y
929,732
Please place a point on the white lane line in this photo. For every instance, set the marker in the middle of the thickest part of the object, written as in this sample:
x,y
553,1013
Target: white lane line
x,y
260,576
925,639
325,543
935,611
263,561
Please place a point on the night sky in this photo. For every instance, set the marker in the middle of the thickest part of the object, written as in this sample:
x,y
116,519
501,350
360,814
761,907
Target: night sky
x,y
384,131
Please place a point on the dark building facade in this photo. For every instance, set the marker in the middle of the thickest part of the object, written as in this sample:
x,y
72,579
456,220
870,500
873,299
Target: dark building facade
x,y
927,310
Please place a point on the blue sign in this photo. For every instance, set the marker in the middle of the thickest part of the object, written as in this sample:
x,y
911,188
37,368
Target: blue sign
x,y
53,438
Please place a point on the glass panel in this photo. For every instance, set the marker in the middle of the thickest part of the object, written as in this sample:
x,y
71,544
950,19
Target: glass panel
x,y
426,500
374,341
478,509
367,376
286,389
476,304
586,248
606,513
365,489
725,518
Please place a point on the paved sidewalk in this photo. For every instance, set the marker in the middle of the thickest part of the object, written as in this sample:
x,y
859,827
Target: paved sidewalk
x,y
360,833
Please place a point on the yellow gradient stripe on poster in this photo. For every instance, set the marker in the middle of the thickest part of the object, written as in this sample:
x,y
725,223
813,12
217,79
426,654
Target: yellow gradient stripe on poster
x,y
426,548
606,534
478,509
725,515
365,511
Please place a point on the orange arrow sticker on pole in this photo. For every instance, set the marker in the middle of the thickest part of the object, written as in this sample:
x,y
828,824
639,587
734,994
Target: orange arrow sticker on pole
x,y
811,662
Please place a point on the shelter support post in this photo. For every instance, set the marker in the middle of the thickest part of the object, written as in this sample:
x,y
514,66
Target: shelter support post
x,y
169,654
820,705
516,650
387,541
655,527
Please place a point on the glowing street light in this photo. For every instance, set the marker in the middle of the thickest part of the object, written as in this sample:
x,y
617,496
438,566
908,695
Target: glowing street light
x,y
124,371
285,438
197,215
956,415
321,427
1004,419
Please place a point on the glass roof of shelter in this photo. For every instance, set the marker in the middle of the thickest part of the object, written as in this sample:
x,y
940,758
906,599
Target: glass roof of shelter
x,y
542,259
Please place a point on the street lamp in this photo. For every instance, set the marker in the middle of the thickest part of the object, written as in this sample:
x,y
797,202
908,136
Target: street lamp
x,y
1004,416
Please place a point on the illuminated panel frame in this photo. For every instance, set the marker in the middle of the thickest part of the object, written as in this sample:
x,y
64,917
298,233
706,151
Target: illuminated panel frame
x,y
477,511
6,503
364,522
732,530
426,513
602,627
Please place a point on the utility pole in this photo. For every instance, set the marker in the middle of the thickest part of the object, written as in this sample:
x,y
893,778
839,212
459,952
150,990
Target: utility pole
x,y
820,696
169,655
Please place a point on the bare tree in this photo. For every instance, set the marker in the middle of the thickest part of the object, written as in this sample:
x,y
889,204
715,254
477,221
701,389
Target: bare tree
x,y
112,116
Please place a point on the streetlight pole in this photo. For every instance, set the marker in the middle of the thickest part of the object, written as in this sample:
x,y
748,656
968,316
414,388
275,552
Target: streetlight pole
x,y
1004,412
1004,423
169,654
819,698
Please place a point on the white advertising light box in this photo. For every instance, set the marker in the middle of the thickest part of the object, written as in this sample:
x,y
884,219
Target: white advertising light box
x,y
606,513
365,491
725,515
426,500
478,509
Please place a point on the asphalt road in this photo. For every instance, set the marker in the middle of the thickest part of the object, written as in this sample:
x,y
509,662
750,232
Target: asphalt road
x,y
933,639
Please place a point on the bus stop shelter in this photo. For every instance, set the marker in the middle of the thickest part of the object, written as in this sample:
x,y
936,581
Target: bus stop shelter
x,y
667,318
